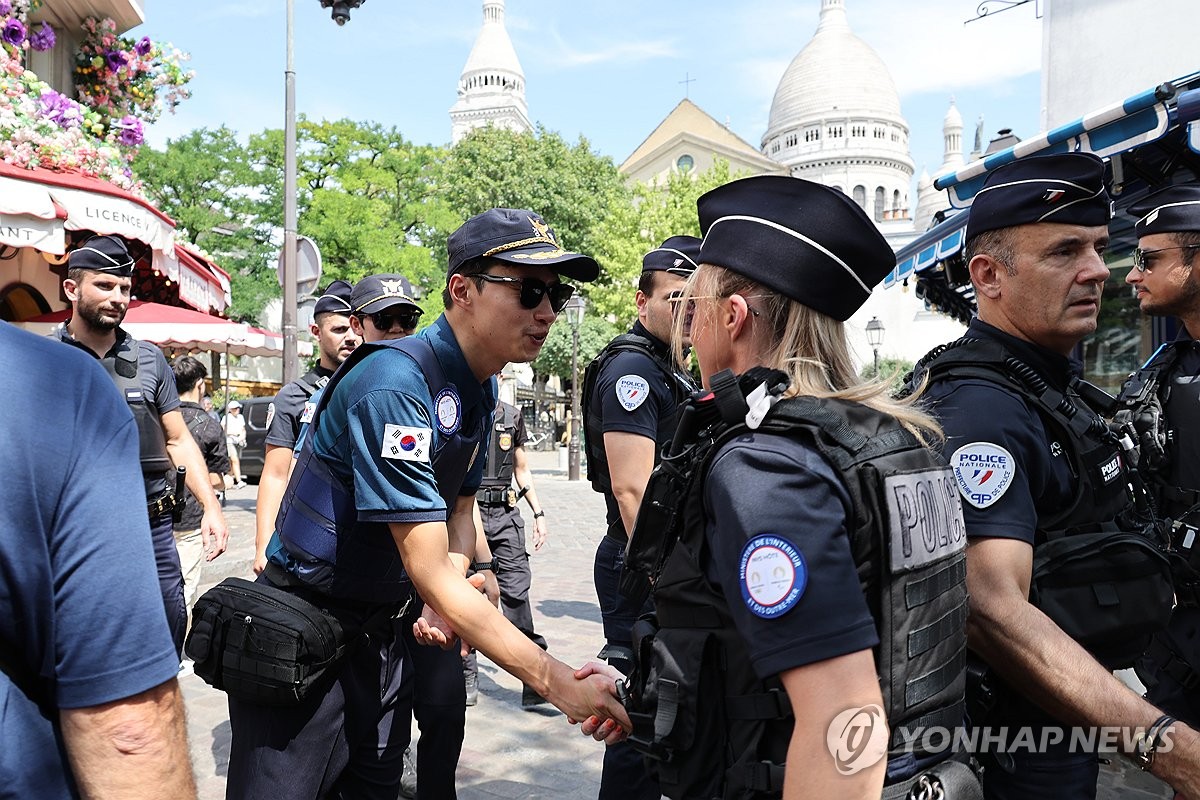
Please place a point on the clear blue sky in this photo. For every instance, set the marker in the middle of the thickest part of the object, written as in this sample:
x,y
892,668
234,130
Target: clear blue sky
x,y
609,71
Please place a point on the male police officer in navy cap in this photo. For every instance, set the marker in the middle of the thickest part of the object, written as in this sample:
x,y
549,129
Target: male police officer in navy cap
x,y
1035,465
99,277
383,503
335,341
1163,399
631,391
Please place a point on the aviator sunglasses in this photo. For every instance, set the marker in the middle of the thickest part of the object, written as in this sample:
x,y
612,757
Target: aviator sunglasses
x,y
534,289
383,320
1141,263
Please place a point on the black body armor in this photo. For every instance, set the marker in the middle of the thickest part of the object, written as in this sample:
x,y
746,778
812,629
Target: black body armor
x,y
152,440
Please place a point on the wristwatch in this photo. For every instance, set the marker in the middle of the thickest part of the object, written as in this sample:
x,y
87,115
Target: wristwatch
x,y
540,514
480,566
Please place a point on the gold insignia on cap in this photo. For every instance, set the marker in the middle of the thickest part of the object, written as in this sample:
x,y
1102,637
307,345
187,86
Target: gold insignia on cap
x,y
541,255
544,236
543,230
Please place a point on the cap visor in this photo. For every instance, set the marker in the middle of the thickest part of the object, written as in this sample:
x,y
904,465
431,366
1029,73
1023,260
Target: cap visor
x,y
573,265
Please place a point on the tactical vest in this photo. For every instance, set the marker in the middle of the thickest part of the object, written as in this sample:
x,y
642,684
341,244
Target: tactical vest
x,y
1100,567
680,383
152,441
712,728
1144,398
330,549
498,470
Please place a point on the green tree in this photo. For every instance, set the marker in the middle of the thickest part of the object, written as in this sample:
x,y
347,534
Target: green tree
x,y
891,370
555,358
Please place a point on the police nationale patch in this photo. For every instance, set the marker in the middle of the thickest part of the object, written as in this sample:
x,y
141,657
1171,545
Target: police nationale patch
x,y
270,413
772,574
402,443
983,472
448,408
306,414
632,391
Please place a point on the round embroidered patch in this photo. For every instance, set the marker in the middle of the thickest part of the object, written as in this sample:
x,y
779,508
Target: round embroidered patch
x,y
448,408
632,391
772,574
983,472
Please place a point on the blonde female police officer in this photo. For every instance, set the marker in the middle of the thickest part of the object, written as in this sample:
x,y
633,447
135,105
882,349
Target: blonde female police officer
x,y
820,555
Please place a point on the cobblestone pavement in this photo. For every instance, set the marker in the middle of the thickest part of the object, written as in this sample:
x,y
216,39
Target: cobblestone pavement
x,y
508,752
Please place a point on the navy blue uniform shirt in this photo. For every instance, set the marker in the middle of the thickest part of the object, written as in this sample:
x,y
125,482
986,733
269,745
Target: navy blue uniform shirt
x,y
293,405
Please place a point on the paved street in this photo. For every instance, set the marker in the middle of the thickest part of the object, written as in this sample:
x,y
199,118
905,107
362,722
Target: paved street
x,y
509,753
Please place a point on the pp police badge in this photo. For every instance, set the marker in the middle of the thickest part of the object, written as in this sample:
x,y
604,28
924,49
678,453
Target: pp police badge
x,y
504,441
632,391
448,409
983,471
772,574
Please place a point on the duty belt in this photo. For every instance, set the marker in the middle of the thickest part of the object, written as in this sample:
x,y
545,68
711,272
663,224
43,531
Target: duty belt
x,y
163,504
492,496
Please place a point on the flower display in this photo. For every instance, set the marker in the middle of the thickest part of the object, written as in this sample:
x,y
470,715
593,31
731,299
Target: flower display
x,y
13,33
43,38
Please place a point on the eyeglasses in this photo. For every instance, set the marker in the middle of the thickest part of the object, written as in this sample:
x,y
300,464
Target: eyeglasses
x,y
1141,264
690,308
534,289
383,320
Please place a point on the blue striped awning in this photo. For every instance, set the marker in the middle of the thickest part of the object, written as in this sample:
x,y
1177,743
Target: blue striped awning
x,y
937,244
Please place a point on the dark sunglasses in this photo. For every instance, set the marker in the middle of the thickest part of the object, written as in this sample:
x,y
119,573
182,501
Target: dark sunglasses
x,y
1141,263
383,320
534,289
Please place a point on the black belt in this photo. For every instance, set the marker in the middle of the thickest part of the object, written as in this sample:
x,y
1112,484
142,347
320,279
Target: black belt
x,y
616,532
163,504
492,496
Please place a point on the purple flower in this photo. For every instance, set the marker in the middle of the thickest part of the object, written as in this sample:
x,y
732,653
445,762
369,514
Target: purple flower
x,y
131,130
13,33
144,46
116,59
60,110
42,38
5,7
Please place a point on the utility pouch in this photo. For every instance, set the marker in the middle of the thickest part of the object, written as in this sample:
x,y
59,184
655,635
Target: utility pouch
x,y
1109,591
949,780
263,644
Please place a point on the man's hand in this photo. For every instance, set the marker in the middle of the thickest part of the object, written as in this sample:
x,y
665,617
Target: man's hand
x,y
260,563
592,698
214,533
431,628
540,532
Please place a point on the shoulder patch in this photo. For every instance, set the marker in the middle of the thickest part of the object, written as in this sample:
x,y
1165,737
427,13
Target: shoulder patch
x,y
270,413
447,408
983,472
402,443
632,391
306,415
772,574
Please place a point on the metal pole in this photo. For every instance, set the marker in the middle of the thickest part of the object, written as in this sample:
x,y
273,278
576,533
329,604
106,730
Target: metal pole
x,y
876,349
290,360
573,447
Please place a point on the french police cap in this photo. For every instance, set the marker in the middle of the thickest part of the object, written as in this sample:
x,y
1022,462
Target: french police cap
x,y
334,300
678,255
516,236
103,254
1172,210
804,240
376,293
1066,188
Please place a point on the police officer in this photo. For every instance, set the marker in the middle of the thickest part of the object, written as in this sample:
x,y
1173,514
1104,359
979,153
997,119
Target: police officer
x,y
1041,475
382,494
814,524
505,532
99,277
631,390
1164,400
335,342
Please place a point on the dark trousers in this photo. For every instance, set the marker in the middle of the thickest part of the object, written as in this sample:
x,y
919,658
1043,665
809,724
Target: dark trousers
x,y
345,743
625,776
1172,663
170,576
439,704
505,532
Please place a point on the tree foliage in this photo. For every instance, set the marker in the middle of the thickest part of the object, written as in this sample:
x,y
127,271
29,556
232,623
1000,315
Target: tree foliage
x,y
555,358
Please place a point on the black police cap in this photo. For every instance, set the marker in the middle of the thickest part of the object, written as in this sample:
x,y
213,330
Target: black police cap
x,y
1175,209
678,255
1066,188
516,236
334,300
375,293
103,254
804,240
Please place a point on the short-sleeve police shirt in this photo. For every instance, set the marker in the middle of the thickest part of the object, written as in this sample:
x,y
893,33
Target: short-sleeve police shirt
x,y
386,394
771,490
290,406
984,421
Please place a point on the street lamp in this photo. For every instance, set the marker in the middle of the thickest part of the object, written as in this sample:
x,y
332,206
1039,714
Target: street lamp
x,y
574,311
875,339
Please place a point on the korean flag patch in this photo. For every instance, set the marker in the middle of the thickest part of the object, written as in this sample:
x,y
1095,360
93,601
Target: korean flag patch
x,y
632,391
772,574
306,414
983,472
402,443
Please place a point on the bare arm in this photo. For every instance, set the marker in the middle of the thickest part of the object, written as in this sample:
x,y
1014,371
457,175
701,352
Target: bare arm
x,y
630,462
524,478
818,693
277,465
132,748
184,452
422,547
1025,646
